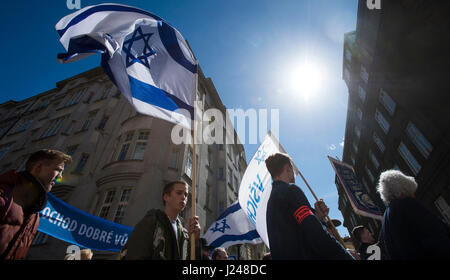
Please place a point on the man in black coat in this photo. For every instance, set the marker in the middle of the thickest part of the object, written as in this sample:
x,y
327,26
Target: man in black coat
x,y
293,229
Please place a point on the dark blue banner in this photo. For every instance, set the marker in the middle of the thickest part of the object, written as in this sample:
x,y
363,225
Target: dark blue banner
x,y
360,200
63,221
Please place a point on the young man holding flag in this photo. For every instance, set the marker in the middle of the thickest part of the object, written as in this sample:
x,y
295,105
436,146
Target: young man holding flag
x,y
160,235
294,231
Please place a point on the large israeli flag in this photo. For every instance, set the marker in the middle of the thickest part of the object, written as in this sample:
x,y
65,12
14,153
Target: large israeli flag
x,y
231,228
147,59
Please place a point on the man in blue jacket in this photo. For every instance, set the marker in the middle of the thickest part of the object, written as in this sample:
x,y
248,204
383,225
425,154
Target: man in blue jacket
x,y
293,229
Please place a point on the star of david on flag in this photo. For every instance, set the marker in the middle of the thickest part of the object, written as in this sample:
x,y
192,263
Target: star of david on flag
x,y
130,48
231,228
146,58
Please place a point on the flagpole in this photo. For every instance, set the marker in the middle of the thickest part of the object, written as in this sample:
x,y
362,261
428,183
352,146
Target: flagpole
x,y
194,163
333,228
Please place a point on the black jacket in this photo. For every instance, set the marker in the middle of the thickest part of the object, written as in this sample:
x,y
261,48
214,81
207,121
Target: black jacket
x,y
294,231
410,231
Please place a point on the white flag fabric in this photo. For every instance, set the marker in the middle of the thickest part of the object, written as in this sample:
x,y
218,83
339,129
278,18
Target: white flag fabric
x,y
231,228
146,58
256,186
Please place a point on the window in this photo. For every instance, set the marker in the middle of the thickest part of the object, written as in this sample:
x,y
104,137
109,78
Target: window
x,y
382,121
364,74
362,93
123,151
347,76
107,203
379,143
369,173
82,163
122,206
235,185
230,177
88,121
419,140
210,158
139,150
71,150
104,212
220,174
366,186
129,136
125,146
409,158
352,158
173,160
387,102
143,135
348,55
359,114
110,196
70,127
3,129
54,127
75,98
21,166
355,147
208,196
44,103
23,126
188,167
357,132
374,160
120,213
103,122
105,93
444,208
141,144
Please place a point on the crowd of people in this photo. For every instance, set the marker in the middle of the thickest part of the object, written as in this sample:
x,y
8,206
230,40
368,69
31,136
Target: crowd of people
x,y
296,230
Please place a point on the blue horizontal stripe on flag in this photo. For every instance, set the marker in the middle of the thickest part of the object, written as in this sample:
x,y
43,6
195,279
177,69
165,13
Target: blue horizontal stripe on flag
x,y
166,32
157,97
230,210
104,8
251,235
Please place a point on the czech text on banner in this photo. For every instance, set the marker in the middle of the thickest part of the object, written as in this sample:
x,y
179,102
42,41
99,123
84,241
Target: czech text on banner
x,y
146,58
231,228
63,221
361,202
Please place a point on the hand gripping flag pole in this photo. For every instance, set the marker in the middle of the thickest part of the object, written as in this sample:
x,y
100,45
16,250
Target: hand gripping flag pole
x,y
328,220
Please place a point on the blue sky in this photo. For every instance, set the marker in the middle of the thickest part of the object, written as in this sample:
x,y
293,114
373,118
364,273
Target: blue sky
x,y
247,47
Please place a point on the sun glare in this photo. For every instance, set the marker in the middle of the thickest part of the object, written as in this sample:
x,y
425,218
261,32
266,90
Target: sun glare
x,y
305,80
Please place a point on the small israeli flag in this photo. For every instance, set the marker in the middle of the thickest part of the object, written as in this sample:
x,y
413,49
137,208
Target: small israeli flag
x,y
146,58
231,228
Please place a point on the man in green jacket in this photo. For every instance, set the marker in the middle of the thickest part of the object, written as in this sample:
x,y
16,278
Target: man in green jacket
x,y
160,235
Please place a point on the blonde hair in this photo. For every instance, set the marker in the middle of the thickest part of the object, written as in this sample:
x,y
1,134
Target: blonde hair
x,y
394,184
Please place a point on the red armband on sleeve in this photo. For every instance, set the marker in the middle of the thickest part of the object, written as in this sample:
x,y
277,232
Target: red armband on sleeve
x,y
301,213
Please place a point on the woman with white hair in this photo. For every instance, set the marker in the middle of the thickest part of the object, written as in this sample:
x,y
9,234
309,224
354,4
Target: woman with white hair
x,y
409,230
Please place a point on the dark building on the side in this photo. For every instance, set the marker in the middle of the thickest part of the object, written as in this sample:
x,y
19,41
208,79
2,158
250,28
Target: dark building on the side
x,y
396,67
